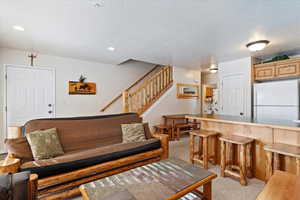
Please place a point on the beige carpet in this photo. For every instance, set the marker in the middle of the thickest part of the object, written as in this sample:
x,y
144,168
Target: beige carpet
x,y
223,188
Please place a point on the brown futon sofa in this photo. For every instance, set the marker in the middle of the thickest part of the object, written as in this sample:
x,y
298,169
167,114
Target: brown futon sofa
x,y
93,149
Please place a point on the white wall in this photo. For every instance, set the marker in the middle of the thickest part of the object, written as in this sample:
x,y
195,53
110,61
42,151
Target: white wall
x,y
170,104
240,66
110,80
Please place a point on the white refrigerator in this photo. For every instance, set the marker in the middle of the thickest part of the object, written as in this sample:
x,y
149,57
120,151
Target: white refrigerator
x,y
276,100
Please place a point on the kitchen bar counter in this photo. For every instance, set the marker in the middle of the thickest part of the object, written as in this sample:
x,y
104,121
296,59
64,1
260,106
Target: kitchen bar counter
x,y
281,124
263,131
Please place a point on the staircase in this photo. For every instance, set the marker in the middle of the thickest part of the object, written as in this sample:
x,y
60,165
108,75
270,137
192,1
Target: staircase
x,y
146,91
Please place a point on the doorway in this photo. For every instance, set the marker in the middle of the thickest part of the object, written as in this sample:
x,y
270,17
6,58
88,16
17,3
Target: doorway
x,y
233,95
210,99
30,94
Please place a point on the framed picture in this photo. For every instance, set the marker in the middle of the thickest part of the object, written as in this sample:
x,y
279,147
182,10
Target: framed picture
x,y
86,88
187,91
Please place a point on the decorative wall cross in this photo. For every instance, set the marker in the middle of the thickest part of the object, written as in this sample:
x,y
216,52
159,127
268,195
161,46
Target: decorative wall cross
x,y
32,57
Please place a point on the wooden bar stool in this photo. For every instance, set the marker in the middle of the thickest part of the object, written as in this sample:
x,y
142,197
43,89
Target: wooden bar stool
x,y
244,168
273,152
203,155
165,129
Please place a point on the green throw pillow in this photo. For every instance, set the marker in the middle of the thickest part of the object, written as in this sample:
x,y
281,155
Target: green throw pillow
x,y
44,144
133,132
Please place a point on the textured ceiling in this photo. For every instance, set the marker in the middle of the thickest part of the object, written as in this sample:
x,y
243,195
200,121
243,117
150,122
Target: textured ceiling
x,y
184,33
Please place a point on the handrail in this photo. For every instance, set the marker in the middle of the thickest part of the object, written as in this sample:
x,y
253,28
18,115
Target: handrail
x,y
141,98
131,86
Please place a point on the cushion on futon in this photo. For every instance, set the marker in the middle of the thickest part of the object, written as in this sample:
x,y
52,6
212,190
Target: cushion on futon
x,y
84,158
20,148
44,144
134,132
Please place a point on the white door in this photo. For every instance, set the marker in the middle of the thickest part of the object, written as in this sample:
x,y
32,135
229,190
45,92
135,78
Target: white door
x,y
233,95
30,94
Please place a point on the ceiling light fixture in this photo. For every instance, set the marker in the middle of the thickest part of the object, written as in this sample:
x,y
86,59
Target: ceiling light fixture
x,y
213,69
257,45
18,28
111,48
97,3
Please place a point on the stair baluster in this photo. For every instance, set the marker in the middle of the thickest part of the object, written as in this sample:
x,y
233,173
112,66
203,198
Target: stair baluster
x,y
144,96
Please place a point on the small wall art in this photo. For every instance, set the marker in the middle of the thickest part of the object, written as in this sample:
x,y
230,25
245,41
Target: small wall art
x,y
84,88
187,91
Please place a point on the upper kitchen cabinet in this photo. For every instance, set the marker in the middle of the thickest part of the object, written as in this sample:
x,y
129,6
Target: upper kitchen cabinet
x,y
264,71
280,69
287,69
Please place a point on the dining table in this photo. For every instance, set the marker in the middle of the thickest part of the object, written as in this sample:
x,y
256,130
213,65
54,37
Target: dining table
x,y
173,118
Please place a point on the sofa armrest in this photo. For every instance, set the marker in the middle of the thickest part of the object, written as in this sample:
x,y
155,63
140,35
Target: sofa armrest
x,y
164,140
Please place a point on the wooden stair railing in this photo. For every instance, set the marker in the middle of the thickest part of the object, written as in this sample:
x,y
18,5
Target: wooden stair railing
x,y
150,91
130,87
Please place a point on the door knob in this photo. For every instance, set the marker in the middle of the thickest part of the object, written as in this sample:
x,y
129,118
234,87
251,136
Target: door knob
x,y
241,114
49,105
49,111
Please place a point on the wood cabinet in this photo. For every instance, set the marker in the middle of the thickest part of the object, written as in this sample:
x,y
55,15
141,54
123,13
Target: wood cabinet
x,y
280,69
208,92
288,69
265,72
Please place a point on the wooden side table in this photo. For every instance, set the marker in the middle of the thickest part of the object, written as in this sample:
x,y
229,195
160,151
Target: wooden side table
x,y
9,165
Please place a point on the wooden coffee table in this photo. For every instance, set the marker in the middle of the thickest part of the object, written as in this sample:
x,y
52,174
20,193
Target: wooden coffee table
x,y
167,179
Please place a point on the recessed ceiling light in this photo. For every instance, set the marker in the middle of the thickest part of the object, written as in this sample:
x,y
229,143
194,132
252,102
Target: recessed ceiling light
x,y
257,45
97,3
111,48
18,28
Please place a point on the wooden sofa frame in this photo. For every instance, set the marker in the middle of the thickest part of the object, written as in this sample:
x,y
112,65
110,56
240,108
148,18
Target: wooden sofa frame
x,y
32,186
66,185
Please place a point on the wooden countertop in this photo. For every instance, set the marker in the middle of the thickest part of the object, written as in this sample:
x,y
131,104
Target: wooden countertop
x,y
278,124
281,186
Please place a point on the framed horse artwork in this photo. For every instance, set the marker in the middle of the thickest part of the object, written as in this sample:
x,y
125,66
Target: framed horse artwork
x,y
83,88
